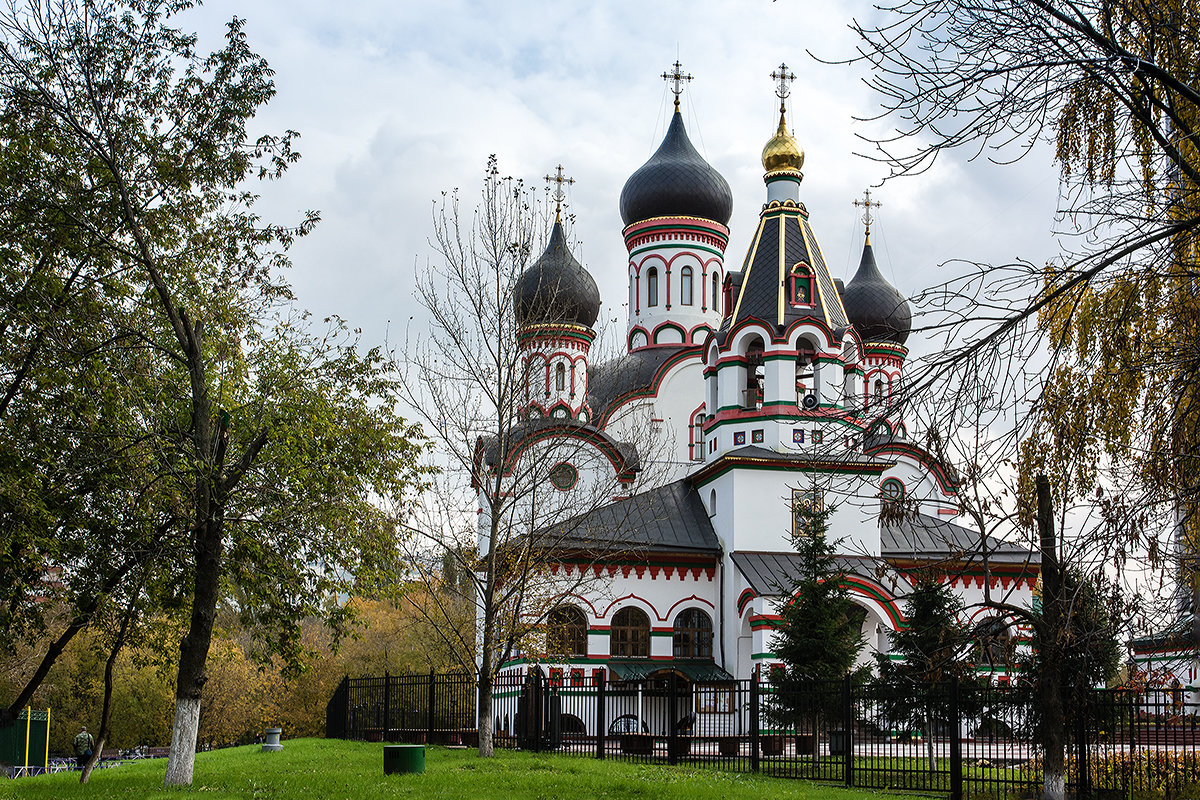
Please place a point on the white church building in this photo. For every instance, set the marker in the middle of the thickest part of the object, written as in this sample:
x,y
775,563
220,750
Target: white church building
x,y
772,385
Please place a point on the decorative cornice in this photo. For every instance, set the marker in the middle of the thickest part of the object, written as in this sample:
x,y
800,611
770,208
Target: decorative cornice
x,y
731,461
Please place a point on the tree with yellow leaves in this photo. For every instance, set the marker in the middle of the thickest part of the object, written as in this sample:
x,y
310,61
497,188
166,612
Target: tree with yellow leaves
x,y
1088,361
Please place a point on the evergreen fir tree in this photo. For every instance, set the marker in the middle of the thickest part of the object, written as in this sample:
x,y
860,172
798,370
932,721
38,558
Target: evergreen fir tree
x,y
915,688
819,634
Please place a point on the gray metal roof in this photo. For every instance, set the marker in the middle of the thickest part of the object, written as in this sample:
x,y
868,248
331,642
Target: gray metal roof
x,y
671,518
926,538
774,573
876,308
766,262
1179,634
556,288
631,372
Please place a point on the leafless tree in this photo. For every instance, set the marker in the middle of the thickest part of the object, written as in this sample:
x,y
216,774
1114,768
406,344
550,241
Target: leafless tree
x,y
498,514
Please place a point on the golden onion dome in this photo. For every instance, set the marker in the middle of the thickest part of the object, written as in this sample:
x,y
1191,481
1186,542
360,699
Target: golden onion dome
x,y
782,152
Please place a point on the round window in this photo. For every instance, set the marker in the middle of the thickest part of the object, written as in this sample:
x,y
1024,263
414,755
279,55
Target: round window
x,y
563,476
891,490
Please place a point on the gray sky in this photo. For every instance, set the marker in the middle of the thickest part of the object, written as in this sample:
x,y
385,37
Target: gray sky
x,y
399,101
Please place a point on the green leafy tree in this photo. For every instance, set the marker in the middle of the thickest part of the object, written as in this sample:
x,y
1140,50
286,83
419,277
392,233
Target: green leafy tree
x,y
259,451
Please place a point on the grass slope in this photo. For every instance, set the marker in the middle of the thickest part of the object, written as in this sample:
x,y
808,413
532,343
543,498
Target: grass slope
x,y
321,768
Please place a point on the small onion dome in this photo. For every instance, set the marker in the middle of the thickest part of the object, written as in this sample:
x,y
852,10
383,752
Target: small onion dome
x,y
676,182
876,309
782,151
556,288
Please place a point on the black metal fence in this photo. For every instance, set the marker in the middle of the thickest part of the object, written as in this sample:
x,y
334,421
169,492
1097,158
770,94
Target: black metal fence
x,y
963,741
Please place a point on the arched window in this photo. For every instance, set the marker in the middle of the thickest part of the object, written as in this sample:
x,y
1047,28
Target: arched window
x,y
879,390
566,632
716,280
560,378
712,502
685,286
755,374
652,287
693,634
806,371
697,437
801,285
629,635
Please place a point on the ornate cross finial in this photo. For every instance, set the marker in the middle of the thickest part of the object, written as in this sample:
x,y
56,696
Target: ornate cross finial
x,y
678,78
867,203
557,191
783,78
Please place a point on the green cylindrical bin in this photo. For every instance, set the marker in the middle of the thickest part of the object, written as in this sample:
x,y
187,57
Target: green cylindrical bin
x,y
400,758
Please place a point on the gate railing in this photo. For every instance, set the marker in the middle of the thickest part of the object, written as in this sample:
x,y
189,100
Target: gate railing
x,y
959,740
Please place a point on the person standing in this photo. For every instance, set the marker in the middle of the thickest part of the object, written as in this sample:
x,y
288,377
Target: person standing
x,y
84,745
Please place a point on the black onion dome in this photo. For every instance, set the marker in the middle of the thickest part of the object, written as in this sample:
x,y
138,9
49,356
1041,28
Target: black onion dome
x,y
556,288
676,182
876,309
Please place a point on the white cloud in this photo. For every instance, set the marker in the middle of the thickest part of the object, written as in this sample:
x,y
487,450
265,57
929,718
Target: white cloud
x,y
400,101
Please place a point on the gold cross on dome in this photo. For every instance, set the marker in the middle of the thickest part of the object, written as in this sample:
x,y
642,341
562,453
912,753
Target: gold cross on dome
x,y
678,78
782,77
867,203
557,191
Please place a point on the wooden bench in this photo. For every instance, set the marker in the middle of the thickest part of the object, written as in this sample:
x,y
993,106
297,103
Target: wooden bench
x,y
157,752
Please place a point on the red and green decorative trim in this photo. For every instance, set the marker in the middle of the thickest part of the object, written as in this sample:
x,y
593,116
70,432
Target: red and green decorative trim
x,y
764,622
687,352
925,459
717,233
745,598
551,330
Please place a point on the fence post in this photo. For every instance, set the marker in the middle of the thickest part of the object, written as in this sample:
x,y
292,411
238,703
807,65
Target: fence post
x,y
754,699
672,724
346,718
956,772
387,707
1083,770
848,730
429,717
600,722
540,685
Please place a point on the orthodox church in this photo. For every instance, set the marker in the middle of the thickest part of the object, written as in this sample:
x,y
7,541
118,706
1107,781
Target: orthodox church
x,y
772,387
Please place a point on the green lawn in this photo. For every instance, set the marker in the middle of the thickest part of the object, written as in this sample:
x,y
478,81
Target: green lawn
x,y
320,768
